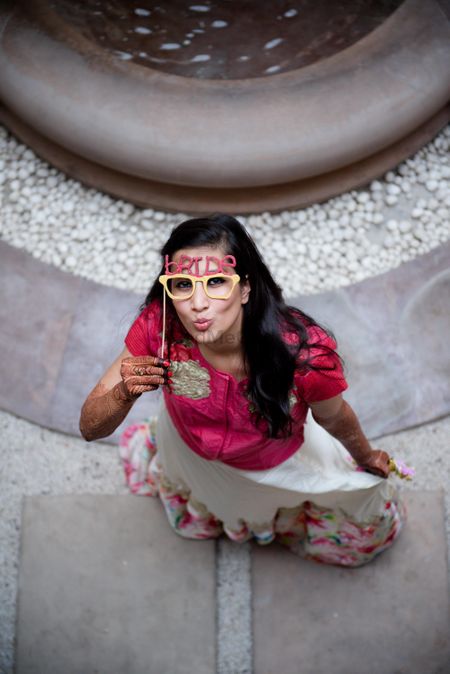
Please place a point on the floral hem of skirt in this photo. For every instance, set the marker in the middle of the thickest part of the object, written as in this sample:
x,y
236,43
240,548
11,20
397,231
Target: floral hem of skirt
x,y
320,534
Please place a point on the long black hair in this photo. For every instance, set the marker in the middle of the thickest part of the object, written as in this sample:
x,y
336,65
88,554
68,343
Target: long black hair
x,y
269,360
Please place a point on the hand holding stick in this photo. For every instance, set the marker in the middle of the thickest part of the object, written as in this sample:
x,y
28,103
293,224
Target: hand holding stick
x,y
142,373
105,408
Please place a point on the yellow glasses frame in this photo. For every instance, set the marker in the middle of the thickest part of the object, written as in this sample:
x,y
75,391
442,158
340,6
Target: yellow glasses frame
x,y
235,278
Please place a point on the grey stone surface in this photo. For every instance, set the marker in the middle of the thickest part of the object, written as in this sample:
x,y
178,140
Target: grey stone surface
x,y
391,616
391,331
101,321
35,460
106,586
234,611
36,313
65,331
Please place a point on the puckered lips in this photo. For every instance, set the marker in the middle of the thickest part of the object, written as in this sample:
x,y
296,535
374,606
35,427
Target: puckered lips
x,y
202,324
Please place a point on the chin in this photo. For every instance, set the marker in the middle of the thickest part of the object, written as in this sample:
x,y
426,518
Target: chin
x,y
203,337
208,337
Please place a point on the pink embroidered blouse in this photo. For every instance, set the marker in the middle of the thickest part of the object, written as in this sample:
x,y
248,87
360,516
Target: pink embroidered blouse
x,y
210,409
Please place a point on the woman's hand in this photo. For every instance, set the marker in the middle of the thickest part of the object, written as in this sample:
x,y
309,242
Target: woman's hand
x,y
111,399
337,417
142,373
377,463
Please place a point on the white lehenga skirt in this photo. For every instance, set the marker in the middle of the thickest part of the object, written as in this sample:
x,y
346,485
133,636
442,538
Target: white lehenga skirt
x,y
318,503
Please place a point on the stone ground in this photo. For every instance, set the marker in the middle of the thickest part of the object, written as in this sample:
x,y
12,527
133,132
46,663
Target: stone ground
x,y
35,460
349,238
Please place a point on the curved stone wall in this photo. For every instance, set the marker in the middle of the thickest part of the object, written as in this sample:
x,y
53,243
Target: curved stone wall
x,y
380,325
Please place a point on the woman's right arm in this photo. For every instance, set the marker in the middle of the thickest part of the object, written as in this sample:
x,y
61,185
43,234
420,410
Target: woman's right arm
x,y
113,396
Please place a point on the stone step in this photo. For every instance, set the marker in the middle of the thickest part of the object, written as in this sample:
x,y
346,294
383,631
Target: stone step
x,y
72,329
389,617
106,586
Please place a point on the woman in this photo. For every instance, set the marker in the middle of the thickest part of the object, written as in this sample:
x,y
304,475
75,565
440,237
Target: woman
x,y
253,437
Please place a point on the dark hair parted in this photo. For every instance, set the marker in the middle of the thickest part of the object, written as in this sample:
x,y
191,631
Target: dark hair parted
x,y
269,361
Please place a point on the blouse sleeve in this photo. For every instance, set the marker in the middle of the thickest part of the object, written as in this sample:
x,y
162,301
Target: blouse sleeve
x,y
144,336
315,385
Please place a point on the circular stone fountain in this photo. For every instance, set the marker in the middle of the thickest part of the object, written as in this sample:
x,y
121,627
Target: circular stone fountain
x,y
231,106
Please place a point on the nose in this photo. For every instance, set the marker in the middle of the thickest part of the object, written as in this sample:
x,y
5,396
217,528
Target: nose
x,y
200,299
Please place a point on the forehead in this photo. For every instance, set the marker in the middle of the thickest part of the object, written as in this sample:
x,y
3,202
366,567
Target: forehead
x,y
200,251
201,261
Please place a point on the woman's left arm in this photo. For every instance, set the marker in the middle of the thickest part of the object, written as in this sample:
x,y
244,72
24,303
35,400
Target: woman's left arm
x,y
337,417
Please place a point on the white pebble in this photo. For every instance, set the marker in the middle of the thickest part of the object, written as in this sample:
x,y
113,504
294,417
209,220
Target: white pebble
x,y
170,46
273,43
419,233
68,206
199,58
392,225
391,200
404,226
142,30
377,218
393,189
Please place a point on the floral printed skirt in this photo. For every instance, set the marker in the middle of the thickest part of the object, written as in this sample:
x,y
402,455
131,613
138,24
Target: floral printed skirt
x,y
317,503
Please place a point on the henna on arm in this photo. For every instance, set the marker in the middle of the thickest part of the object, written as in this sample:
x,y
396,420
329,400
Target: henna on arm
x,y
345,427
105,408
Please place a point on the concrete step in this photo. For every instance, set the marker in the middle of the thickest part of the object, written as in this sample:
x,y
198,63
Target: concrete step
x,y
106,586
389,617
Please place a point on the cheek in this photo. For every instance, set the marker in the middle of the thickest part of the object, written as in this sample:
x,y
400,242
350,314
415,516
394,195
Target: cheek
x,y
229,309
181,310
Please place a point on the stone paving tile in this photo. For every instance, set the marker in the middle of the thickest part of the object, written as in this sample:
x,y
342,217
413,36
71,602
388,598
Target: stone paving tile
x,y
101,320
391,331
426,321
36,314
106,586
377,389
391,616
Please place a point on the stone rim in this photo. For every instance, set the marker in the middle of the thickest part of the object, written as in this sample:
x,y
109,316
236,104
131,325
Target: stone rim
x,y
197,200
249,161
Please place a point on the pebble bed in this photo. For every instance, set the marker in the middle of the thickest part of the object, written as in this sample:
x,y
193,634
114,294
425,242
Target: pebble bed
x,y
344,240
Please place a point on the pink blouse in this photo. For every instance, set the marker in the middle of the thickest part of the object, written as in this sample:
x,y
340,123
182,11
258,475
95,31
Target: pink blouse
x,y
210,409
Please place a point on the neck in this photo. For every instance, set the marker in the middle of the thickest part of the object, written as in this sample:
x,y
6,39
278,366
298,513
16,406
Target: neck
x,y
227,357
225,346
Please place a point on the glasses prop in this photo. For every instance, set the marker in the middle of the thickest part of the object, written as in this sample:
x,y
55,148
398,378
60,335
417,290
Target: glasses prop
x,y
179,284
216,286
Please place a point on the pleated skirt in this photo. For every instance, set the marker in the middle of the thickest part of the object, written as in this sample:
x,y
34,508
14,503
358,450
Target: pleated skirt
x,y
317,503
